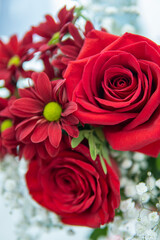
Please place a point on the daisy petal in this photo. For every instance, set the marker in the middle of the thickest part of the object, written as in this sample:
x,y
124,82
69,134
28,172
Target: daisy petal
x,y
26,93
40,133
69,108
71,120
28,151
14,43
75,34
24,130
43,86
71,130
41,150
55,134
50,149
27,105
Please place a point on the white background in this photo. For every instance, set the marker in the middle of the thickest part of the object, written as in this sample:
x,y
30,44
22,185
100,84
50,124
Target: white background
x,y
18,16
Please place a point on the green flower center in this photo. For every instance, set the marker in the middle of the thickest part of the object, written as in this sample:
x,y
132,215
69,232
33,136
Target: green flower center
x,y
54,39
15,60
6,124
52,111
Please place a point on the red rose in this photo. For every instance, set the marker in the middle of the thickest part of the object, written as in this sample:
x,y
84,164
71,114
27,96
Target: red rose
x,y
75,187
116,82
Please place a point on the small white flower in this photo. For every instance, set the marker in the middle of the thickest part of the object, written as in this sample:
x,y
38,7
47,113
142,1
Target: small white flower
x,y
126,164
130,190
145,197
127,205
143,165
144,220
135,168
150,235
153,217
138,157
10,185
158,183
140,229
141,188
123,182
8,196
129,227
150,183
149,174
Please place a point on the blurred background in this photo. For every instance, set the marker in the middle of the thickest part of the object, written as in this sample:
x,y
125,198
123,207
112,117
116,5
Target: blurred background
x,y
17,16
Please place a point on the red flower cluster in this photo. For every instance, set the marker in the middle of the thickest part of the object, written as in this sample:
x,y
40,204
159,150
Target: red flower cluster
x,y
12,56
39,122
89,78
60,42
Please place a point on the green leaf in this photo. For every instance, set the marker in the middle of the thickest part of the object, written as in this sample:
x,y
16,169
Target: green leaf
x,y
78,11
99,232
158,163
100,134
86,133
55,39
92,147
102,160
76,141
105,154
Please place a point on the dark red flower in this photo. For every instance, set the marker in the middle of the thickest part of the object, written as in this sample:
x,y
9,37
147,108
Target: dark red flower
x,y
50,30
75,187
70,48
44,111
50,33
60,42
8,142
12,55
118,86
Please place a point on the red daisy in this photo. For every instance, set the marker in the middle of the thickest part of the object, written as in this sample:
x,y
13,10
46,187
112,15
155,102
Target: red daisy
x,y
12,55
45,112
50,31
70,48
3,104
8,142
61,41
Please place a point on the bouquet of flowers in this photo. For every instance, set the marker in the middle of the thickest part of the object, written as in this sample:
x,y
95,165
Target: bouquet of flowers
x,y
86,121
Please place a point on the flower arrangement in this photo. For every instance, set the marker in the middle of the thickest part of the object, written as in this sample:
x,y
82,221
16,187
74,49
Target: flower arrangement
x,y
85,129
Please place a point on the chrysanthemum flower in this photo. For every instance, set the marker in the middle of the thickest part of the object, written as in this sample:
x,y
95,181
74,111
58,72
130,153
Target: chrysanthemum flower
x,y
12,55
70,48
50,33
8,142
50,30
60,42
45,112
